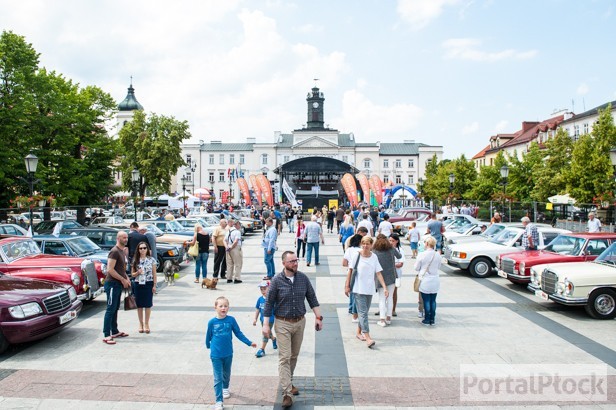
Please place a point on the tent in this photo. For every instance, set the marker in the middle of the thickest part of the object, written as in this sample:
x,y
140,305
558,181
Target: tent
x,y
562,199
178,201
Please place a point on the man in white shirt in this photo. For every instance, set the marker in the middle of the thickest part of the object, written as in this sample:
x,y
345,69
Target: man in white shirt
x,y
235,258
365,222
385,227
594,225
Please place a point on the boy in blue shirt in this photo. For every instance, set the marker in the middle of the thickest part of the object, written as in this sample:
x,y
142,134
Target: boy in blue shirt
x,y
263,287
219,339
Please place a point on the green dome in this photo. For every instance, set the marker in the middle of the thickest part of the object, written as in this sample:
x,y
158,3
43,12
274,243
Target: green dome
x,y
130,103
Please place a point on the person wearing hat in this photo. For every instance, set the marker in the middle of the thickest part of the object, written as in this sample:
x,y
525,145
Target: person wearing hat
x,y
263,287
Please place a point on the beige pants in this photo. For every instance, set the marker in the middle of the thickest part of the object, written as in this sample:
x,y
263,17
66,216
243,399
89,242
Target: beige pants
x,y
289,336
235,259
420,301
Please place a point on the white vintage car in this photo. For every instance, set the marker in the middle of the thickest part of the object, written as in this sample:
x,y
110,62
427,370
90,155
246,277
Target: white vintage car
x,y
480,257
588,284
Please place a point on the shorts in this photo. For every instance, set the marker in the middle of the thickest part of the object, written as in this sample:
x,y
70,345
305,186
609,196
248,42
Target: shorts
x,y
414,245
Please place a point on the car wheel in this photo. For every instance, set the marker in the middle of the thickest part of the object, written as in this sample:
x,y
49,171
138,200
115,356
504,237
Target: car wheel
x,y
602,304
481,267
4,344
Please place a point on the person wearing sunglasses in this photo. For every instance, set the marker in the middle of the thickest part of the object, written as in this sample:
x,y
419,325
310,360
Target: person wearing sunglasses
x,y
143,271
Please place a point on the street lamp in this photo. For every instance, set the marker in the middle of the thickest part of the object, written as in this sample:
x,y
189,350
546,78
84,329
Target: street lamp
x,y
504,171
183,179
452,179
31,161
135,179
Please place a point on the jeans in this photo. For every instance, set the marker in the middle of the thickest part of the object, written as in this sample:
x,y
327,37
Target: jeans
x,y
201,263
362,303
291,225
429,300
222,374
113,290
330,225
301,245
311,246
220,262
269,262
352,307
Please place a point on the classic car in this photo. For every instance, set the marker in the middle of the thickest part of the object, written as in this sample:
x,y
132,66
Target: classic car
x,y
573,247
173,227
588,284
251,224
47,227
32,309
71,245
217,216
480,257
408,214
12,229
190,222
106,239
161,236
107,220
22,257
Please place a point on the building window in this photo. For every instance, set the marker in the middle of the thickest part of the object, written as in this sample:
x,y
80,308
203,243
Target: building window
x,y
411,180
398,163
576,132
411,163
221,177
211,159
385,163
189,159
367,163
221,159
189,177
263,159
211,177
231,159
285,159
385,179
242,160
398,179
345,158
586,128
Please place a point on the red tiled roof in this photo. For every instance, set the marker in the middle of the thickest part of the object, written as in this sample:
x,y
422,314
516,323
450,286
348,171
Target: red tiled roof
x,y
531,132
482,153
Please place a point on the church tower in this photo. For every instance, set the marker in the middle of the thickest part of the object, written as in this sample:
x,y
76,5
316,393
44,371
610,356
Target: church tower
x,y
127,108
315,109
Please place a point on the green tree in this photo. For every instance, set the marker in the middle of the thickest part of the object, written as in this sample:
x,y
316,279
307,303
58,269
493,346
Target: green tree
x,y
550,178
488,183
152,145
521,182
465,175
429,187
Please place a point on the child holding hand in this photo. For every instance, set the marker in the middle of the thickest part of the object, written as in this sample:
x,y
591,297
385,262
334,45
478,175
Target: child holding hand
x,y
263,287
219,339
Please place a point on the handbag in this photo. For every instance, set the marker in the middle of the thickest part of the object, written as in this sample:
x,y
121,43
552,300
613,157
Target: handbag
x,y
194,249
421,274
398,282
354,273
130,303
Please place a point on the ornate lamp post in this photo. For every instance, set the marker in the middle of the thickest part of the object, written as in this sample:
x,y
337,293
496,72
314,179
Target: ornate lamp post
x,y
452,179
183,179
31,161
504,171
135,179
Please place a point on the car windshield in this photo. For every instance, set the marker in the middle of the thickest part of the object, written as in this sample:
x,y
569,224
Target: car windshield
x,y
83,246
506,237
566,245
493,230
20,249
154,229
608,255
174,226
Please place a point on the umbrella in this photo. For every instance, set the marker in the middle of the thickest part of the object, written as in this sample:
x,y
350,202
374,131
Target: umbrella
x,y
561,199
202,193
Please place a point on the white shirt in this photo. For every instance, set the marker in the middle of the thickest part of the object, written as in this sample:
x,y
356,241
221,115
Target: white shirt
x,y
414,235
349,255
594,225
365,276
385,228
430,282
366,224
398,260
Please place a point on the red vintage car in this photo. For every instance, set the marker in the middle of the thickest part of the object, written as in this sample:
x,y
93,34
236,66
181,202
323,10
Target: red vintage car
x,y
32,309
570,247
22,257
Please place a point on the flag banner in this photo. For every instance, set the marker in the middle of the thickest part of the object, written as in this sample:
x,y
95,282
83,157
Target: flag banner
x,y
365,186
350,188
378,188
243,186
289,193
266,189
256,189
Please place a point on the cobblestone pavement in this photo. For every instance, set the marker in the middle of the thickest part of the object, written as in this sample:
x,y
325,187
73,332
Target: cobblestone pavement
x,y
487,321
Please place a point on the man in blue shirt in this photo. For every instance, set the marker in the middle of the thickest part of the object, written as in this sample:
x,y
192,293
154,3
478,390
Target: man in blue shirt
x,y
435,228
269,247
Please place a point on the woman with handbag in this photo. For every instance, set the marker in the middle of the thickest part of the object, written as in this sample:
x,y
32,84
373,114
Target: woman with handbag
x,y
387,259
427,267
143,271
360,281
202,239
299,239
394,240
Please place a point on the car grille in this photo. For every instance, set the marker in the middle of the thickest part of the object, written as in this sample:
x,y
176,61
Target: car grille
x,y
548,282
89,272
57,302
507,265
447,253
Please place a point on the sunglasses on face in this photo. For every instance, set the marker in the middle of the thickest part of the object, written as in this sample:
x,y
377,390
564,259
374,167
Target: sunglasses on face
x,y
143,249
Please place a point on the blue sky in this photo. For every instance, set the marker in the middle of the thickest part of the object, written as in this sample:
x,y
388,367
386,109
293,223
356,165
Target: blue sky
x,y
443,72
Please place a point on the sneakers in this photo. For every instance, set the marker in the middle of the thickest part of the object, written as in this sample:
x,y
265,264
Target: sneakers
x,y
355,320
225,393
218,406
420,314
425,323
388,322
260,353
274,344
381,323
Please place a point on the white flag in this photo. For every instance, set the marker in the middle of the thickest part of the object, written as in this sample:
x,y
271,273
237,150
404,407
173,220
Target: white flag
x,y
289,193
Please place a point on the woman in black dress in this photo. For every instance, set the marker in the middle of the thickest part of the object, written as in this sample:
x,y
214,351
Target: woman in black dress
x,y
143,271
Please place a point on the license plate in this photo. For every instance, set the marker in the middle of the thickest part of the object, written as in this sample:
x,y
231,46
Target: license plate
x,y
68,316
541,294
502,274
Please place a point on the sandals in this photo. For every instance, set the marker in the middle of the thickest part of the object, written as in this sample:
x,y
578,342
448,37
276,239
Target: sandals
x,y
109,341
141,330
361,337
121,334
196,280
147,329
371,344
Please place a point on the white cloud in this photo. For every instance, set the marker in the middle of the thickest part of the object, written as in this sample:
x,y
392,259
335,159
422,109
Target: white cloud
x,y
309,29
470,128
583,89
501,126
376,122
419,13
468,49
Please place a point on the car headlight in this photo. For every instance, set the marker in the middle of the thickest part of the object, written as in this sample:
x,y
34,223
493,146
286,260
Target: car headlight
x,y
172,252
458,254
72,293
522,268
75,279
568,287
25,310
104,268
534,277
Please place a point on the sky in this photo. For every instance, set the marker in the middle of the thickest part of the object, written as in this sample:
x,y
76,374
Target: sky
x,y
440,72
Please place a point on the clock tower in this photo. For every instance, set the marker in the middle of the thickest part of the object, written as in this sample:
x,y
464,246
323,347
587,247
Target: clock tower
x,y
315,101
